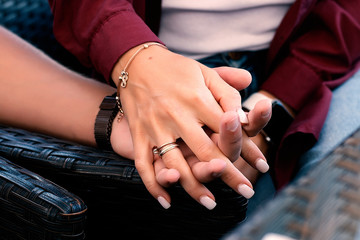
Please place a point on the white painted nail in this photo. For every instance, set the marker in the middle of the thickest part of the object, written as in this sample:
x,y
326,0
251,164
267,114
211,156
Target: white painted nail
x,y
243,117
208,202
275,236
246,191
163,202
261,165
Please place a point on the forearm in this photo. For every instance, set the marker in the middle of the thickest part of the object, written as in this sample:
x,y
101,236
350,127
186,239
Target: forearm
x,y
38,94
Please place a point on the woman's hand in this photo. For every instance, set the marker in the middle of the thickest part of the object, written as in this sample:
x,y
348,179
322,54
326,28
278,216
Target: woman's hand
x,y
229,141
169,97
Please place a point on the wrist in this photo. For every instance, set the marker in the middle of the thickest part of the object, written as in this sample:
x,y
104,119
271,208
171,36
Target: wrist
x,y
131,57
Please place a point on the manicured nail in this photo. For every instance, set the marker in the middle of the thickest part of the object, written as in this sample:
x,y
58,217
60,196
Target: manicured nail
x,y
233,124
163,202
243,117
246,191
275,236
261,165
208,202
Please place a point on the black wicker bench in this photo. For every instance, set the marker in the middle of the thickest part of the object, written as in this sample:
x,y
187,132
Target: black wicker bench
x,y
117,201
32,207
324,204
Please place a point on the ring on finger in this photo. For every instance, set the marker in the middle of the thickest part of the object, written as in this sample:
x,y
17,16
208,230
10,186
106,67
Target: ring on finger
x,y
165,148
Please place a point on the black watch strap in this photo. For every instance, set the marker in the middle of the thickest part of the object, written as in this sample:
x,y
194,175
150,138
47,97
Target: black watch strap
x,y
104,119
279,122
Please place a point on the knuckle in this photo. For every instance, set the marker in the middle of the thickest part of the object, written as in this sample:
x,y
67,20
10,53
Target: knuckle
x,y
199,97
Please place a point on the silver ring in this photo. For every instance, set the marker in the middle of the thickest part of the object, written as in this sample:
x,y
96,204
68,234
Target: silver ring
x,y
164,148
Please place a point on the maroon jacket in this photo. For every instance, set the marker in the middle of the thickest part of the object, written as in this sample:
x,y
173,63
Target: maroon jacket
x,y
315,49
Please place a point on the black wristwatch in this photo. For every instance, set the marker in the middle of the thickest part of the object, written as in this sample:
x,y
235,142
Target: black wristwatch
x,y
279,122
108,109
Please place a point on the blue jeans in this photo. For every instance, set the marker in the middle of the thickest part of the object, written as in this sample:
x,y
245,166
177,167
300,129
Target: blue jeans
x,y
343,119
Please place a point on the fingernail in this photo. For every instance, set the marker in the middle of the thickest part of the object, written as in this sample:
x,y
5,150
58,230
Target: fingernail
x,y
246,191
275,236
243,116
261,165
163,202
208,202
233,125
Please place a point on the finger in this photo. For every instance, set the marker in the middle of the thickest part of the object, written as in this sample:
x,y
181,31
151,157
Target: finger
x,y
231,144
258,117
236,77
228,97
203,171
230,135
249,172
145,168
164,176
209,112
250,151
174,159
253,155
205,150
237,181
208,171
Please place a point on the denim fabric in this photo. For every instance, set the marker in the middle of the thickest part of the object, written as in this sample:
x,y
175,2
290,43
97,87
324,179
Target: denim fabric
x,y
343,119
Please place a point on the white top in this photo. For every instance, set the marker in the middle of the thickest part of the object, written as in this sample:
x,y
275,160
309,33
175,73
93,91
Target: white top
x,y
200,28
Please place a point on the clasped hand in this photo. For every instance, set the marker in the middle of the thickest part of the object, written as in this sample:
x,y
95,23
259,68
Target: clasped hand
x,y
171,98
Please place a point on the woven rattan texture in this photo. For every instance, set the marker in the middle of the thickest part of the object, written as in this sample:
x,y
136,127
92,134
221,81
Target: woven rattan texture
x,y
117,200
325,204
32,207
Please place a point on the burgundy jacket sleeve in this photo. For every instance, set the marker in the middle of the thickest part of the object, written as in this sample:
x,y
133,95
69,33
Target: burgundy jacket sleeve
x,y
321,50
98,32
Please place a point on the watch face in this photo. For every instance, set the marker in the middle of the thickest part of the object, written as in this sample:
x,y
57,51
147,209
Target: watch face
x,y
279,122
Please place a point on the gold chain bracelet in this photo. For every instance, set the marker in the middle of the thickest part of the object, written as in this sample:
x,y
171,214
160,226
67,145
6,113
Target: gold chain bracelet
x,y
124,75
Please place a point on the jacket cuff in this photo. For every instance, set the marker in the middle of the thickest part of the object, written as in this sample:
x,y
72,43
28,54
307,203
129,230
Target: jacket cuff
x,y
293,82
121,32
